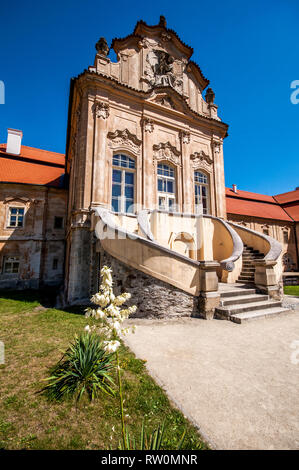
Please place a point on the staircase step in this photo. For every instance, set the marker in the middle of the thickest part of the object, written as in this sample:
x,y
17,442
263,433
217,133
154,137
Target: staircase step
x,y
234,309
237,291
241,281
244,275
247,269
259,314
245,278
243,299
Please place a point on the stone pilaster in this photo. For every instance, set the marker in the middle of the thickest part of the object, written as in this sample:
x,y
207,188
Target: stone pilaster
x,y
187,193
219,189
148,183
99,187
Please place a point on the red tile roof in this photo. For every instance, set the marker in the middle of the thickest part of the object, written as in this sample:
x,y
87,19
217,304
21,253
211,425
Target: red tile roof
x,y
291,196
32,166
248,195
38,154
254,205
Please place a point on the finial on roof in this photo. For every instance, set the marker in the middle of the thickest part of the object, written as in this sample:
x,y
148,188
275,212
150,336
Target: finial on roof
x,y
162,21
102,46
210,96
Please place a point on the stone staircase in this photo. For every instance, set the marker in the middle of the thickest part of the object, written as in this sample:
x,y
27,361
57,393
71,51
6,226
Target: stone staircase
x,y
248,256
240,303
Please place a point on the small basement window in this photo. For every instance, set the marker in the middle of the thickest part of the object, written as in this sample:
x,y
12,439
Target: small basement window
x,y
11,265
55,264
16,217
266,231
58,222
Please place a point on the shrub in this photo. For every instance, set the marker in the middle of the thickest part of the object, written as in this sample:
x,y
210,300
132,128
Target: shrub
x,y
84,368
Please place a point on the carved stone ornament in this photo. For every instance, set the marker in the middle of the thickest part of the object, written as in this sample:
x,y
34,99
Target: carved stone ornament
x,y
201,160
124,139
185,136
166,151
165,101
216,146
148,124
101,109
159,70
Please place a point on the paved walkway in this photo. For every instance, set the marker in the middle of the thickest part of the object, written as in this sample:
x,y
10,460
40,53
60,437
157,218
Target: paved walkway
x,y
237,383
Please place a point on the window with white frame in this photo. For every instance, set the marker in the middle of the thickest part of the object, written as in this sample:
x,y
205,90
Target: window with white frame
x,y
201,192
11,265
16,217
166,187
123,183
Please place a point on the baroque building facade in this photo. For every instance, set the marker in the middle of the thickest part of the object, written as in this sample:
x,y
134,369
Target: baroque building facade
x,y
144,157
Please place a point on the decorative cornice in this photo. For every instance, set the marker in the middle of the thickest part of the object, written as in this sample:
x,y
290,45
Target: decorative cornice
x,y
145,94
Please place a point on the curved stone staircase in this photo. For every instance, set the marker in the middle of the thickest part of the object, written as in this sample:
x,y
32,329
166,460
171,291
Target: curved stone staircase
x,y
248,257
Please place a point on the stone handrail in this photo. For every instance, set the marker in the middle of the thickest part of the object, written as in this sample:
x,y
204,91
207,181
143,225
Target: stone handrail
x,y
228,264
275,247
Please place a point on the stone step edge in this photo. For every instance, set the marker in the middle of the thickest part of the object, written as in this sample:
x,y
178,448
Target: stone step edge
x,y
231,310
259,314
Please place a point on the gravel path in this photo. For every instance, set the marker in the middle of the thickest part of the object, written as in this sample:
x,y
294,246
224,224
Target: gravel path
x,y
238,383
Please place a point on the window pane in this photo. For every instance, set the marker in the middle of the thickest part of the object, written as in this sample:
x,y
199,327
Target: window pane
x,y
129,205
129,192
13,220
160,184
21,211
13,210
129,177
116,190
204,190
20,221
115,205
116,176
170,186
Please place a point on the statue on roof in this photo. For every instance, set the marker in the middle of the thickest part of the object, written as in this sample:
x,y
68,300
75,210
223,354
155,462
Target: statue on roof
x,y
102,47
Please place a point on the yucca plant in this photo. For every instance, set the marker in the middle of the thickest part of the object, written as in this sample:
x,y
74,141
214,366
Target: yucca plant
x,y
84,368
152,442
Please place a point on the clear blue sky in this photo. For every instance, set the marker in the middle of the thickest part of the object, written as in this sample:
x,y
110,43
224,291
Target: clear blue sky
x,y
248,50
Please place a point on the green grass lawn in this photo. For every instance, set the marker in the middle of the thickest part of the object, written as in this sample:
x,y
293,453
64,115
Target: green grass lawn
x,y
291,290
34,337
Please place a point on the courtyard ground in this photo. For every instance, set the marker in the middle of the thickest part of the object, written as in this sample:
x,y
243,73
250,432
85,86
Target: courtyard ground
x,y
238,383
34,337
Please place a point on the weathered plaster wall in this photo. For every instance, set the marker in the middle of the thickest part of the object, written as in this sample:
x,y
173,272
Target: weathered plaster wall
x,y
37,243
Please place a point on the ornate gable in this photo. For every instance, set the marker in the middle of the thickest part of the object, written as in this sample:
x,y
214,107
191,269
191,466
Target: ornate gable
x,y
151,58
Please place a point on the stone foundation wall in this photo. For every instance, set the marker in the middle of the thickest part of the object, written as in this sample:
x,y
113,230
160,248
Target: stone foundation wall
x,y
154,298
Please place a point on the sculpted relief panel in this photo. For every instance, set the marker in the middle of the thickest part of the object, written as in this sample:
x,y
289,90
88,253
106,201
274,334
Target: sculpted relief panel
x,y
124,139
163,70
166,151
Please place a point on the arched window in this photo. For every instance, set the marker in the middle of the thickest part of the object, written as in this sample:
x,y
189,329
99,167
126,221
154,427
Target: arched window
x,y
201,191
123,183
166,187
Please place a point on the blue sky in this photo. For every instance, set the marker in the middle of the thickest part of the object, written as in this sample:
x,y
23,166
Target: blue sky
x,y
248,50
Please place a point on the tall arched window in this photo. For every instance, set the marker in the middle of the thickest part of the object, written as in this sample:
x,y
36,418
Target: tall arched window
x,y
123,183
201,191
166,187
